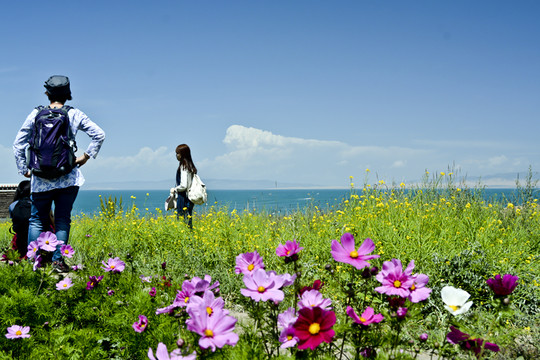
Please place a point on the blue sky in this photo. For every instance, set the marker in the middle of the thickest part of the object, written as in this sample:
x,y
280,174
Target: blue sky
x,y
306,92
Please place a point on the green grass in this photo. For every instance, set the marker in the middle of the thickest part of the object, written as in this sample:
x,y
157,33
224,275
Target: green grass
x,y
452,233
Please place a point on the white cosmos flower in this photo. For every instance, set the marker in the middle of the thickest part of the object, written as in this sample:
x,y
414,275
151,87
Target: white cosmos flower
x,y
455,300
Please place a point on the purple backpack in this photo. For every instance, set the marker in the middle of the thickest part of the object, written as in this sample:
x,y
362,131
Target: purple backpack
x,y
52,146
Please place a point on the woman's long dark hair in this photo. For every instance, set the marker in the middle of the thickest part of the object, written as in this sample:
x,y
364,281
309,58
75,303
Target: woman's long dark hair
x,y
185,158
23,190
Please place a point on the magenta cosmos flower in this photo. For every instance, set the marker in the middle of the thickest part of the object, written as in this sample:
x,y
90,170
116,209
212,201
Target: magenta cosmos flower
x,y
263,286
347,253
314,326
115,265
467,342
47,241
64,284
163,354
140,326
394,281
18,332
313,298
289,249
216,331
367,317
247,263
94,280
503,286
67,251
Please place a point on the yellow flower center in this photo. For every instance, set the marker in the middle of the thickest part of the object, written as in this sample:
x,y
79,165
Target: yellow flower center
x,y
18,332
209,310
288,252
362,319
261,289
186,299
142,325
47,242
66,251
354,254
397,283
208,333
289,337
112,266
65,285
251,267
454,307
314,328
413,287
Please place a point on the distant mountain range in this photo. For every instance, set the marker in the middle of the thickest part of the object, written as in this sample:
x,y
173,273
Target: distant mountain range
x,y
217,184
503,180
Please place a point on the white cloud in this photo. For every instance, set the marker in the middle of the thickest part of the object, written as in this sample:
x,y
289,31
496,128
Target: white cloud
x,y
497,160
255,154
147,165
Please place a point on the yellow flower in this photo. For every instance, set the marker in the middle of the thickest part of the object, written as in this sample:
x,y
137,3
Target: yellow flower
x,y
442,173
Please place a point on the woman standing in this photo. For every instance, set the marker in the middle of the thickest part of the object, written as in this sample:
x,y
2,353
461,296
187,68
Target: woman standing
x,y
63,189
184,176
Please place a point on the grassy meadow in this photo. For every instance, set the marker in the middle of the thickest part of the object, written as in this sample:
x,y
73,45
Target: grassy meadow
x,y
454,236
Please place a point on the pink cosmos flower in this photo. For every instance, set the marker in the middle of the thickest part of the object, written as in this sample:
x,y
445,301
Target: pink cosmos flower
x,y
18,332
33,249
263,286
286,321
152,292
367,317
163,354
394,281
287,318
314,326
199,285
289,249
348,254
77,267
248,262
208,303
115,265
64,284
467,342
67,251
313,298
503,286
47,241
140,326
216,331
38,262
287,337
418,290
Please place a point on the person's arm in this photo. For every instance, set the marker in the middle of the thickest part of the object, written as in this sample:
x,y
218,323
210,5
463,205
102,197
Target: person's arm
x,y
185,177
93,131
21,143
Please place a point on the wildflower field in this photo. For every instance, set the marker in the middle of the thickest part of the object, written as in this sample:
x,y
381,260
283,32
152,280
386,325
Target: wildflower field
x,y
431,272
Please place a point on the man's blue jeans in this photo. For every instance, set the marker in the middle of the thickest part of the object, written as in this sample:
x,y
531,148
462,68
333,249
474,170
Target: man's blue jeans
x,y
40,220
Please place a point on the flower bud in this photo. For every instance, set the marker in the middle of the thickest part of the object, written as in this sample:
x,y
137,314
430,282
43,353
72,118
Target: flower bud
x,y
506,301
328,267
180,342
424,337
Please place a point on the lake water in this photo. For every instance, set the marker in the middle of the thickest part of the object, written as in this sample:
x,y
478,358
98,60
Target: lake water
x,y
272,201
